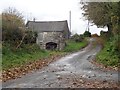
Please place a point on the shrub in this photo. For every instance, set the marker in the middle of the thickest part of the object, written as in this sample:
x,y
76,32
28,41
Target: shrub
x,y
87,34
77,38
12,35
13,26
30,37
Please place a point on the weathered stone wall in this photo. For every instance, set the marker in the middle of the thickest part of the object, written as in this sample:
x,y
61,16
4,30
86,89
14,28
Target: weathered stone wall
x,y
56,37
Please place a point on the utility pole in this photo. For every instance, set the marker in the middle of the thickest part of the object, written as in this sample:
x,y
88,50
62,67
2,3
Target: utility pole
x,y
88,26
70,20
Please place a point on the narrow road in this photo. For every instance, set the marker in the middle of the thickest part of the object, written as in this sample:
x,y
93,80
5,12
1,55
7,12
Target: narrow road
x,y
63,72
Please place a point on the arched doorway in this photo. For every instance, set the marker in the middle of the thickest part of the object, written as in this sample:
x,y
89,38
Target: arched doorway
x,y
51,46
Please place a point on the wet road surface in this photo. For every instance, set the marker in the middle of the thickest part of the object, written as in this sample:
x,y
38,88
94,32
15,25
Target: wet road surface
x,y
58,74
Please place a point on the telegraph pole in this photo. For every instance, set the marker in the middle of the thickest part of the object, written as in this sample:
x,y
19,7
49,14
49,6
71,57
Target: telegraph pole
x,y
70,20
88,26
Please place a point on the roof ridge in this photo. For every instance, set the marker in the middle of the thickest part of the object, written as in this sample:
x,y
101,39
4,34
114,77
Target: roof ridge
x,y
47,25
47,21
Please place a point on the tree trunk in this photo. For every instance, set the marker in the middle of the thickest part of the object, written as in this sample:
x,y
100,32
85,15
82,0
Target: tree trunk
x,y
21,42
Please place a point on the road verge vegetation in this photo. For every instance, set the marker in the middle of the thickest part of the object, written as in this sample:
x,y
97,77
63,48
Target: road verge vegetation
x,y
12,58
29,57
73,46
108,56
110,53
31,52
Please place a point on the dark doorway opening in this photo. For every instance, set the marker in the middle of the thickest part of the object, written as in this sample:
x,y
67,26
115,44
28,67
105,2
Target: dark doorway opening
x,y
51,46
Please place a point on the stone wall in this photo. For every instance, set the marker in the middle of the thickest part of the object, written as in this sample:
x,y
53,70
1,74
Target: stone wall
x,y
55,37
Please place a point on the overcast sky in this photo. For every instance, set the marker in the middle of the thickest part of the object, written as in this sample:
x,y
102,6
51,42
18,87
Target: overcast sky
x,y
52,10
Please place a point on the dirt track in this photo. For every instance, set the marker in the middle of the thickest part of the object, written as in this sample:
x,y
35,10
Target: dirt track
x,y
71,71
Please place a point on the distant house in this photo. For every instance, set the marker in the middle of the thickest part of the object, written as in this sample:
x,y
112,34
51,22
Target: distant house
x,y
51,34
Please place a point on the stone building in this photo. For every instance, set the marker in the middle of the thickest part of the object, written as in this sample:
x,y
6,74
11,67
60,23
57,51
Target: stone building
x,y
51,34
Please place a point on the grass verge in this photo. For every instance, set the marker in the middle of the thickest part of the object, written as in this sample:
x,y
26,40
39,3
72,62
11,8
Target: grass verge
x,y
26,53
106,57
74,46
29,53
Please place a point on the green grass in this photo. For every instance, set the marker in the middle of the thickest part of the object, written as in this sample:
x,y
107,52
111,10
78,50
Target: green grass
x,y
74,46
23,55
14,58
106,57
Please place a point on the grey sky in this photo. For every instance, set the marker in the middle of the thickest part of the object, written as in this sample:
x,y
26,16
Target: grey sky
x,y
50,10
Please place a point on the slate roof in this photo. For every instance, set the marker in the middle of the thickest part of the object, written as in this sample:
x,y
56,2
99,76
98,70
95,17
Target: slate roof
x,y
47,26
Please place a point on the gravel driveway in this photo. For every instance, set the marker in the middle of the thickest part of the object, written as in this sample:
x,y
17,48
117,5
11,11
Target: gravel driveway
x,y
69,71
